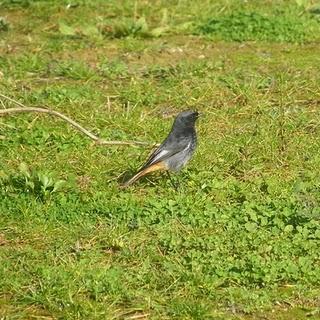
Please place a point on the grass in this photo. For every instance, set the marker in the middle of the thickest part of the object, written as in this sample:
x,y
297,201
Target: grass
x,y
287,24
238,240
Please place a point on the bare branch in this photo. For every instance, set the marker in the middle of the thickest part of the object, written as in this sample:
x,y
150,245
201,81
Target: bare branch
x,y
23,108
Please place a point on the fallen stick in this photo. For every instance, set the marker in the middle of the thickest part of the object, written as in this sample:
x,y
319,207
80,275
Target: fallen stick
x,y
23,108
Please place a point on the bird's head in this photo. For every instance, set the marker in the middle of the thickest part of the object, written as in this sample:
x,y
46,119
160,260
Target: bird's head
x,y
186,118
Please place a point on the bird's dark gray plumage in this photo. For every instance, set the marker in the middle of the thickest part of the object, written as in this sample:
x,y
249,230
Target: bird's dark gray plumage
x,y
176,150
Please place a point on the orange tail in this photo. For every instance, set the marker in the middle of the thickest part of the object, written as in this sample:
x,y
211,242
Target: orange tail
x,y
139,174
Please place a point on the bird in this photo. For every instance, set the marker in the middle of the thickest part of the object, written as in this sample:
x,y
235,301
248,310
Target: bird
x,y
175,151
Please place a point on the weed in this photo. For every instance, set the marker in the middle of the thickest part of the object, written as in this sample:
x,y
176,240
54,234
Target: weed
x,y
41,185
133,28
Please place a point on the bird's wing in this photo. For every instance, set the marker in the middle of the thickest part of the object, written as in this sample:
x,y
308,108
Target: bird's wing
x,y
164,152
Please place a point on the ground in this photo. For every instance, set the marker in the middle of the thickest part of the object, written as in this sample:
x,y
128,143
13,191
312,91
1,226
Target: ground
x,y
238,239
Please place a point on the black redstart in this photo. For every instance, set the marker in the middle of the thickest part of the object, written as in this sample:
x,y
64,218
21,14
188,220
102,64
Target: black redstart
x,y
176,150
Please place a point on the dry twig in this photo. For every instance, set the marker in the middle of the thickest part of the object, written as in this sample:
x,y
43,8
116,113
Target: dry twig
x,y
23,108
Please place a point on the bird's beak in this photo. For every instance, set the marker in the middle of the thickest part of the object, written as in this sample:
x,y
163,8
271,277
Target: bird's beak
x,y
198,114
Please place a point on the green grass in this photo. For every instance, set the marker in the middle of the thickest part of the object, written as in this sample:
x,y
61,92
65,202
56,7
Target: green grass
x,y
246,26
239,239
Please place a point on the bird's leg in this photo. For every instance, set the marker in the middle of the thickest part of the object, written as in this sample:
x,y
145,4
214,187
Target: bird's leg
x,y
174,184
